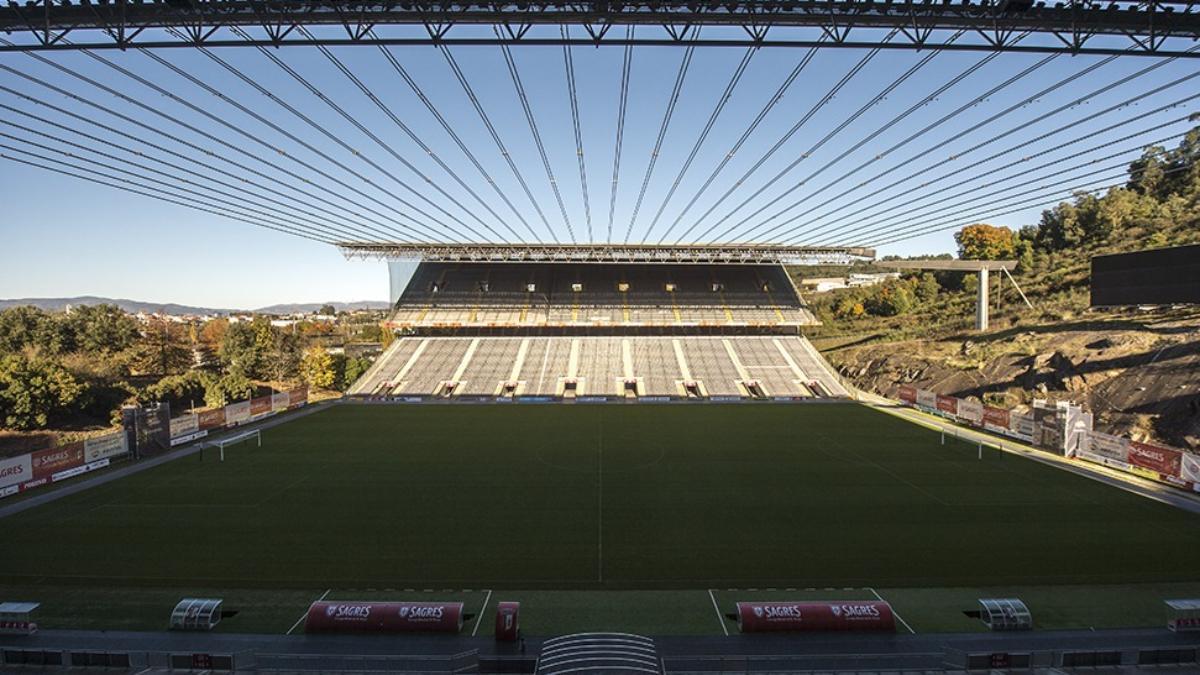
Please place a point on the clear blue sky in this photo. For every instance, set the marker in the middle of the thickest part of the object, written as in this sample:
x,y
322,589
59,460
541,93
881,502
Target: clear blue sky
x,y
63,236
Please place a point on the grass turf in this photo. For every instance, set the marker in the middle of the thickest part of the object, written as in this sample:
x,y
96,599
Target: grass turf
x,y
553,503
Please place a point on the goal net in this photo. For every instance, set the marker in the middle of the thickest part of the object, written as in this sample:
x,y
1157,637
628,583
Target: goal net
x,y
215,449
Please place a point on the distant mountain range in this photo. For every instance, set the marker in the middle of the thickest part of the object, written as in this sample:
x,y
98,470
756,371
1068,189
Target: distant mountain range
x,y
136,306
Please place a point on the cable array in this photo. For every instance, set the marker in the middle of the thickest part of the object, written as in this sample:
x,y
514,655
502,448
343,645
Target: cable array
x,y
275,164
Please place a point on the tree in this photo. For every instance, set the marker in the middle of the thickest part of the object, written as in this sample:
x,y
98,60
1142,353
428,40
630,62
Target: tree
x,y
165,348
103,328
283,359
240,349
33,390
19,327
327,310
233,386
849,308
317,368
985,242
212,333
1146,173
927,288
180,390
355,368
890,299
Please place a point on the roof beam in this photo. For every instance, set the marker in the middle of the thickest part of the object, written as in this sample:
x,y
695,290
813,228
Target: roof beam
x,y
1077,25
697,254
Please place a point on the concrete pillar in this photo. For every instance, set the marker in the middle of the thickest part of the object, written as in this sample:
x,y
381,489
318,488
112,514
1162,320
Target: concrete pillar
x,y
981,303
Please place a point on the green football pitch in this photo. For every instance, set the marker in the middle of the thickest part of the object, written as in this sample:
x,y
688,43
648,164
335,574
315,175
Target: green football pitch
x,y
601,517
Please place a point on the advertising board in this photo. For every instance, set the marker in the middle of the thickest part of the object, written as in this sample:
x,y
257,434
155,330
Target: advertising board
x,y
1021,425
260,406
858,615
947,404
971,411
1160,460
182,426
1189,468
46,463
236,413
995,419
1108,447
383,617
101,447
211,419
908,394
297,397
15,470
926,399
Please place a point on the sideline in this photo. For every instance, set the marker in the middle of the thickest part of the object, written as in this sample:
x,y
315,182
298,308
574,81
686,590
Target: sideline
x,y
138,466
1130,483
894,612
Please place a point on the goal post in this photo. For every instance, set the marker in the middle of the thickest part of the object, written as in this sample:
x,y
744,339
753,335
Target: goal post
x,y
223,443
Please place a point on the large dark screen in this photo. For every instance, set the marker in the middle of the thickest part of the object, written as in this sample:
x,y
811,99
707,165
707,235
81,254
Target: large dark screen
x,y
1162,276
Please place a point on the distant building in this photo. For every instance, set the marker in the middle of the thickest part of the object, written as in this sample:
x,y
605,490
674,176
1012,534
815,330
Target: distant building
x,y
857,280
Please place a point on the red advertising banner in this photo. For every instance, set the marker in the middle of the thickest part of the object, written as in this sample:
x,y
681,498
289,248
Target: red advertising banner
x,y
759,617
947,404
908,394
384,617
1161,460
46,463
297,397
260,406
997,417
212,419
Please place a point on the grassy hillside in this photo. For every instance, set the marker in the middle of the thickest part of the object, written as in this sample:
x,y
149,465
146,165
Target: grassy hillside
x,y
920,329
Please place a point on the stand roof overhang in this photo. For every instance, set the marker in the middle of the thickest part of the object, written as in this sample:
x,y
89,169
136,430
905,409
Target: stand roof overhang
x,y
698,254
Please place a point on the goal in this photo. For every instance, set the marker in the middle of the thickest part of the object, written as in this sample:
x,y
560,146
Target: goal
x,y
223,443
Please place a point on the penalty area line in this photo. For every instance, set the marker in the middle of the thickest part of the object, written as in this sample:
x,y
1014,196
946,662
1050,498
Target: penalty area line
x,y
298,621
717,609
894,612
486,599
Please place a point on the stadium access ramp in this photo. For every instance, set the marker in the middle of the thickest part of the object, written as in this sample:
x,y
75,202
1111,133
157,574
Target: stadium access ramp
x,y
595,653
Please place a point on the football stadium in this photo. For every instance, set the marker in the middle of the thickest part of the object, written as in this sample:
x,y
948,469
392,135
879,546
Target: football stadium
x,y
588,453
616,447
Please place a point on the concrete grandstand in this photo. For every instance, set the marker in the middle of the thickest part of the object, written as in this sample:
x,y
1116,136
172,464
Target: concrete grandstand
x,y
598,328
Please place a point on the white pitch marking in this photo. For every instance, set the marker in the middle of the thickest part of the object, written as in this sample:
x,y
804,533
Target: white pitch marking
x,y
600,503
717,609
894,612
479,618
323,596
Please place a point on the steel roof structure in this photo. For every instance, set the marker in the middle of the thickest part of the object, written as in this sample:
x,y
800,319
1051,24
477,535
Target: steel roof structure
x,y
696,254
1078,26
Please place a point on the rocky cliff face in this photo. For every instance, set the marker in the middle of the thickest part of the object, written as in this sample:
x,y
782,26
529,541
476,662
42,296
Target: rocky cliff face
x,y
1141,379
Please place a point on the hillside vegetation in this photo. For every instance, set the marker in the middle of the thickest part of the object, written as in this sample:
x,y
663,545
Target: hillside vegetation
x,y
1137,369
65,375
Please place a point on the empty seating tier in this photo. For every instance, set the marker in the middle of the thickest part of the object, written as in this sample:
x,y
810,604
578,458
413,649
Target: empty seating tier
x,y
612,366
546,294
575,330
